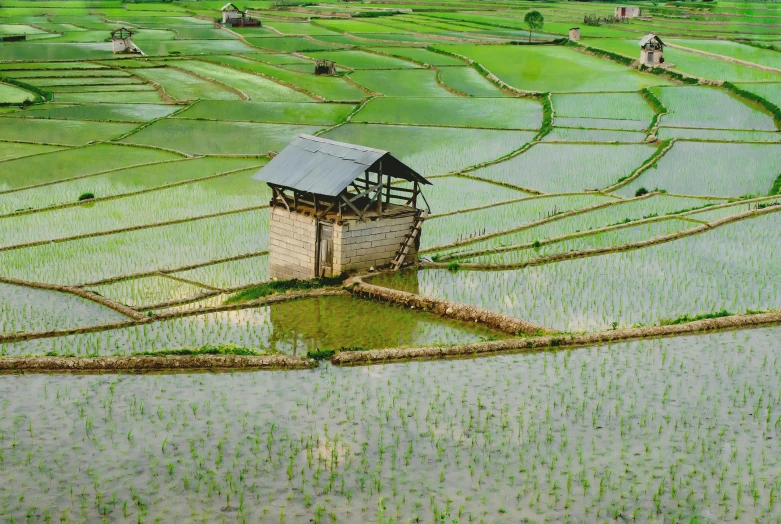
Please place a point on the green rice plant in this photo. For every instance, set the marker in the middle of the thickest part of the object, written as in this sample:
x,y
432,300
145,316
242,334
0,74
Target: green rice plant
x,y
269,112
327,87
469,81
60,132
254,86
707,107
219,138
76,162
710,168
11,150
363,60
610,106
104,112
183,86
233,192
628,287
231,274
144,250
293,327
559,168
434,150
494,113
25,309
401,82
146,291
538,69
127,181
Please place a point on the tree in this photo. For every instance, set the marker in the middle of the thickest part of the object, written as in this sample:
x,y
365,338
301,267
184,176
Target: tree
x,y
534,20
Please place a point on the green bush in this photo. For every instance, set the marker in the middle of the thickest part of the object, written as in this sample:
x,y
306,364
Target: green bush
x,y
86,196
640,192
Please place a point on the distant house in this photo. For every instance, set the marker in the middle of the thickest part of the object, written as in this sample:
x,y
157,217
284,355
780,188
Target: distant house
x,y
574,34
122,41
627,11
335,207
325,67
651,50
235,17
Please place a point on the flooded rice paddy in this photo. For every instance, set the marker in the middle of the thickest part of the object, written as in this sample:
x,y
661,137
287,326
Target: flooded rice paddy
x,y
671,430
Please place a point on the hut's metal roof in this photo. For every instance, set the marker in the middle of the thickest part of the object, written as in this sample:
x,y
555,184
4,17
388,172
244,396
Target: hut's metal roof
x,y
326,167
228,5
650,36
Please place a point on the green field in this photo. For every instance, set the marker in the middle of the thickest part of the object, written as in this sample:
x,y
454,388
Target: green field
x,y
593,329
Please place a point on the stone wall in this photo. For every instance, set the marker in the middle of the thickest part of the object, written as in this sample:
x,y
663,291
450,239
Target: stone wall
x,y
361,245
292,241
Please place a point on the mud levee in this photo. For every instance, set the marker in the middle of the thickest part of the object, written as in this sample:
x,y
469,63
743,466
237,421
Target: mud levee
x,y
445,308
553,341
150,364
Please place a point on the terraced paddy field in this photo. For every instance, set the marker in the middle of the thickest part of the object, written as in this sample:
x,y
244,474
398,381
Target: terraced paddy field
x,y
583,210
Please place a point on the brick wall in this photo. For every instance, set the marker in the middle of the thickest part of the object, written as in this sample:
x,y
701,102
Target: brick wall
x,y
292,238
360,245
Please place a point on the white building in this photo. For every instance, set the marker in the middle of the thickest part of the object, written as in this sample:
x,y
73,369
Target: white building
x,y
651,50
122,41
339,207
627,11
230,12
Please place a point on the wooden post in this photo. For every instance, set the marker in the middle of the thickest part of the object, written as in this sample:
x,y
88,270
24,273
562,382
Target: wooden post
x,y
415,196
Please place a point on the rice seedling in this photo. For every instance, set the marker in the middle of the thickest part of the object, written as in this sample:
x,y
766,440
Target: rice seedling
x,y
712,168
557,168
493,113
25,309
215,138
434,150
531,435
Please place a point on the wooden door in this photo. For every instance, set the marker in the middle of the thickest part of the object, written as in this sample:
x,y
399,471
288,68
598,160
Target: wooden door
x,y
325,258
623,12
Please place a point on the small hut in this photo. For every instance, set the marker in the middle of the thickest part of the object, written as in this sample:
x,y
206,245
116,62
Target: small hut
x,y
626,11
235,17
230,12
325,67
651,50
122,41
335,207
574,34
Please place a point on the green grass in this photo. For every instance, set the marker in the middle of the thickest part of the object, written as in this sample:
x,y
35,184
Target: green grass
x,y
421,56
685,319
282,286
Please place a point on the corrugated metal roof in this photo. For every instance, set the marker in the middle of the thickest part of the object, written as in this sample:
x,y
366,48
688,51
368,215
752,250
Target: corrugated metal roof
x,y
326,167
650,36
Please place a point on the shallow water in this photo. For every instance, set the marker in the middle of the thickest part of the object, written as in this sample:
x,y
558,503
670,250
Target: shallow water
x,y
659,430
290,327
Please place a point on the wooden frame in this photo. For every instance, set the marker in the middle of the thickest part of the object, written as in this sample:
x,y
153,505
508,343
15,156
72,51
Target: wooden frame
x,y
372,189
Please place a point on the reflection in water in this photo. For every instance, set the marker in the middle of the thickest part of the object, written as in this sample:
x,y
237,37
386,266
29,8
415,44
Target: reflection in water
x,y
348,322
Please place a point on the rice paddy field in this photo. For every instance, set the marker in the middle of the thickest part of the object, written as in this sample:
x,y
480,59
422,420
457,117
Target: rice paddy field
x,y
571,188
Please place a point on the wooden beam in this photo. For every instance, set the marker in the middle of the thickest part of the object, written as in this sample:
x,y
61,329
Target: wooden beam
x,y
346,201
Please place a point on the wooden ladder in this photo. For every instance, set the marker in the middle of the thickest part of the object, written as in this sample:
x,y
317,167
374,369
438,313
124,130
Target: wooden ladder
x,y
409,240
